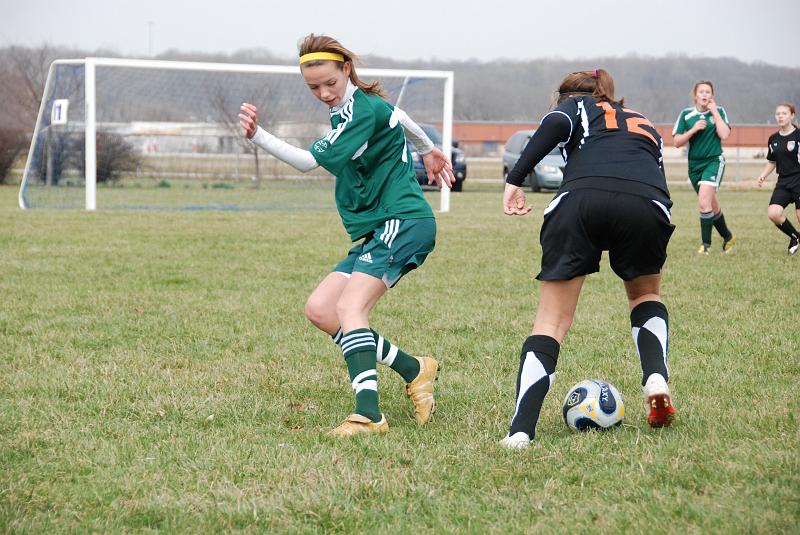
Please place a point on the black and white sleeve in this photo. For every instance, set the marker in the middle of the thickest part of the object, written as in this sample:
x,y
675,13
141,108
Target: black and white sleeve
x,y
555,128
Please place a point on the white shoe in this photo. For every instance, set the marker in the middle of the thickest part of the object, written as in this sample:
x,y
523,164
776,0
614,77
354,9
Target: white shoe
x,y
658,401
516,441
794,244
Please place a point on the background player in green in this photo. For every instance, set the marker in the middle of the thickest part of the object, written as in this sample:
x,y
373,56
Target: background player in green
x,y
783,153
381,203
704,126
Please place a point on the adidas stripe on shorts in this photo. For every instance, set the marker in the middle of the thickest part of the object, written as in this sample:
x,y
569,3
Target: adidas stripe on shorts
x,y
393,249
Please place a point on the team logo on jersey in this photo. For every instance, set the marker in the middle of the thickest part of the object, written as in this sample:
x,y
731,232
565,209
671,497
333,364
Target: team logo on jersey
x,y
790,146
321,145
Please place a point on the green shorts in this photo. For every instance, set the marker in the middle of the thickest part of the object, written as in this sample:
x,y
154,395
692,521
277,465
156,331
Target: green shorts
x,y
707,171
391,250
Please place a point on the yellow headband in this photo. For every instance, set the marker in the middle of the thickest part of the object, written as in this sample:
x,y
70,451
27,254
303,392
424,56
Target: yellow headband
x,y
314,56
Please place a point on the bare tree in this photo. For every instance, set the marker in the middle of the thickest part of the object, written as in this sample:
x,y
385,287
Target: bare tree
x,y
24,73
226,112
12,143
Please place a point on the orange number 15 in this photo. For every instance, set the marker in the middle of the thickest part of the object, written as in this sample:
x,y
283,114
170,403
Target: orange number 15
x,y
634,124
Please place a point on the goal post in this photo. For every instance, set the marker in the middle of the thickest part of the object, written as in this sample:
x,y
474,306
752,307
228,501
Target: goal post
x,y
167,117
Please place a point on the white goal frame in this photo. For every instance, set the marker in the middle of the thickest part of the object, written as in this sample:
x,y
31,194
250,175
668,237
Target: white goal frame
x,y
91,64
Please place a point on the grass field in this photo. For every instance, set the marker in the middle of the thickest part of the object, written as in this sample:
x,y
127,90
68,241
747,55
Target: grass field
x,y
158,375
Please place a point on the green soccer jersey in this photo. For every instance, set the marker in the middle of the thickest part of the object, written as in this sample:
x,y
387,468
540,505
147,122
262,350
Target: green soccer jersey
x,y
705,143
366,152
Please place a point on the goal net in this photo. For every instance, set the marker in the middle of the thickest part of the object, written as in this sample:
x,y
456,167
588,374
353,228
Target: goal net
x,y
143,134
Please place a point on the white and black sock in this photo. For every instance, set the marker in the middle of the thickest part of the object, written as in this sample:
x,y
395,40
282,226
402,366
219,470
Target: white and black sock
x,y
649,327
787,228
537,370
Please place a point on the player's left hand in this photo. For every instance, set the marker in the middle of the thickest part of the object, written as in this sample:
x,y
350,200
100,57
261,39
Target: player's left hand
x,y
438,168
514,201
248,119
712,106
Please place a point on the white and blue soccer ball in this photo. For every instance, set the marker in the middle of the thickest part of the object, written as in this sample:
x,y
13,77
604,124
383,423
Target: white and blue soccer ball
x,y
593,404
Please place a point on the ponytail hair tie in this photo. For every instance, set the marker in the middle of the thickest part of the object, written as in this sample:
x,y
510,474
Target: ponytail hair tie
x,y
594,74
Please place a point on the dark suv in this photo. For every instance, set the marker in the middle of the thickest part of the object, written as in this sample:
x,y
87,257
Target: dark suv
x,y
456,156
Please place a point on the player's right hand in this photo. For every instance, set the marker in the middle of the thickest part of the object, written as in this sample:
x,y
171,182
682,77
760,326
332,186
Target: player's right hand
x,y
700,125
514,201
248,119
439,169
761,180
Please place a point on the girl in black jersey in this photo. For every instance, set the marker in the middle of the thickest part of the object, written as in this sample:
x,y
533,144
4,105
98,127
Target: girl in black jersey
x,y
783,153
614,197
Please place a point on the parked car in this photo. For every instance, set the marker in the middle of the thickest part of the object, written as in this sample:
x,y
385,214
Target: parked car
x,y
456,156
548,174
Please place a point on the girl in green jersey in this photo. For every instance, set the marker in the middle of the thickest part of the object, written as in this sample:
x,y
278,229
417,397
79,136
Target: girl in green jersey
x,y
703,127
381,206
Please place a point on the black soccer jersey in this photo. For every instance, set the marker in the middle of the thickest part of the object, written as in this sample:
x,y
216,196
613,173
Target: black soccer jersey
x,y
785,152
611,141
599,140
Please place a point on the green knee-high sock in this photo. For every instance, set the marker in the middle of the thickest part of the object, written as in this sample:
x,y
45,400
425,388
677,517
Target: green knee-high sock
x,y
722,228
390,355
706,223
358,348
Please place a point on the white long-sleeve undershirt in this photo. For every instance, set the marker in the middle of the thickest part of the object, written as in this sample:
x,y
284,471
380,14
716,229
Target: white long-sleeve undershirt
x,y
414,132
300,159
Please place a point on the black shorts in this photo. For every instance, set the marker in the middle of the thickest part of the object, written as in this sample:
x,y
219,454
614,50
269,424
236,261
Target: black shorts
x,y
580,224
785,196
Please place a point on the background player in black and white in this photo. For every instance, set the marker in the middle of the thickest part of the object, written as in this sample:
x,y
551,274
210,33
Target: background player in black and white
x,y
614,197
783,153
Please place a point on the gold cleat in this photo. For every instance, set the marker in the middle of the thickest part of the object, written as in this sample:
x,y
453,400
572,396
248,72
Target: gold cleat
x,y
727,247
420,390
703,250
356,424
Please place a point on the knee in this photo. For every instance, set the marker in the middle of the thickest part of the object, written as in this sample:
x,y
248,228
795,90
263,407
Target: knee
x,y
344,309
775,214
706,199
315,310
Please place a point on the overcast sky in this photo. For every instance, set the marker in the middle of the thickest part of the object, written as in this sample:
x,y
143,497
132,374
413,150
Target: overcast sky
x,y
763,30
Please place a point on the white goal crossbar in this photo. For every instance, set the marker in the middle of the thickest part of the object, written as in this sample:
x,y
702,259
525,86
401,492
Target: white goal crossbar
x,y
91,64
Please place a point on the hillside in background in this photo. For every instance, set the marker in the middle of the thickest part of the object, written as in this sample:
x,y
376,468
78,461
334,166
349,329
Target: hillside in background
x,y
501,90
658,87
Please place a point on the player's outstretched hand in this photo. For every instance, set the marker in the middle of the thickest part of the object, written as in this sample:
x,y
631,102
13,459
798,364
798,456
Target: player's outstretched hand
x,y
248,119
514,201
438,168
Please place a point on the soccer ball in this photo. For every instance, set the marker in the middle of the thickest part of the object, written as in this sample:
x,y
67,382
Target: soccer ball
x,y
593,404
